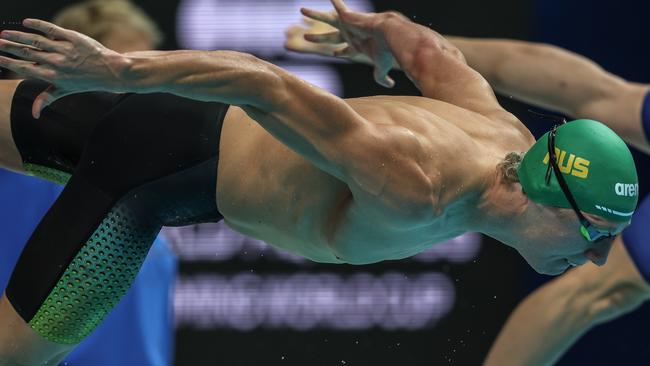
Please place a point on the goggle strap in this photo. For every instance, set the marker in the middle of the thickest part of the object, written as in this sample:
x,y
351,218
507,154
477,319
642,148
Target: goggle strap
x,y
560,178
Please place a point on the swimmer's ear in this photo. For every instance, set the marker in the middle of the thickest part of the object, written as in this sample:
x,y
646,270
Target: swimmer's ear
x,y
47,97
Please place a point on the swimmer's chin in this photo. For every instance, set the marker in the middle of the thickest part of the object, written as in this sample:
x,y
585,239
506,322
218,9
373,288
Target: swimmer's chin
x,y
552,268
553,271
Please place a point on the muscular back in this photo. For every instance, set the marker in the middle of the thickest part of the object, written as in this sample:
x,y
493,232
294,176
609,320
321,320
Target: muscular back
x,y
270,192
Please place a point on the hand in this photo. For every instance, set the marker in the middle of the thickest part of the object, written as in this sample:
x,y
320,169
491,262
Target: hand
x,y
353,35
296,41
70,61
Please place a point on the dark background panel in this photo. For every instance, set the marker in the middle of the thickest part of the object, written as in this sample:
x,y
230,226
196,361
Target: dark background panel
x,y
486,291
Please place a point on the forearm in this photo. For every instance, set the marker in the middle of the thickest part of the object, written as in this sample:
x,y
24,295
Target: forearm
x,y
154,53
436,66
417,48
536,73
554,78
221,76
540,330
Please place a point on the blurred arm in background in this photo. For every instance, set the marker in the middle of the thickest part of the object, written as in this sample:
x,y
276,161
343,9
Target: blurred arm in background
x,y
550,320
557,79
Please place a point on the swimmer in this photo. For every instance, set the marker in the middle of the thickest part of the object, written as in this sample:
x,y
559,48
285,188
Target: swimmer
x,y
337,181
550,320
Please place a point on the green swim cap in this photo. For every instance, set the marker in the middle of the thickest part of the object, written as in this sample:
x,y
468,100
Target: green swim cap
x,y
596,165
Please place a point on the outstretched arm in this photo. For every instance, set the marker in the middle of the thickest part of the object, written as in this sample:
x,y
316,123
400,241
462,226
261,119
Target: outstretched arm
x,y
381,165
550,320
561,80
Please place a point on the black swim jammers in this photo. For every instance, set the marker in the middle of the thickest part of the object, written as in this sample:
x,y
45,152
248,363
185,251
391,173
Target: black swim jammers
x,y
130,164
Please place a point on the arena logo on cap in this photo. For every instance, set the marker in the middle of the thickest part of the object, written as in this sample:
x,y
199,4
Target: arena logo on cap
x,y
575,165
626,190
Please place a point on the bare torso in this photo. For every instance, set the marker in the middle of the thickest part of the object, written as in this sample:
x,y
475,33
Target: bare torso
x,y
267,191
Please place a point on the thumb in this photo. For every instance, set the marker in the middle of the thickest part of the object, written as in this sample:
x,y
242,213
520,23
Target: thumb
x,y
47,97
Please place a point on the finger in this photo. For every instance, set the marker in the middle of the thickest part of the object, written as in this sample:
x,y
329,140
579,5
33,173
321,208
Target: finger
x,y
47,97
30,39
316,26
295,31
294,39
346,15
345,51
331,37
51,31
382,78
13,64
390,82
27,68
308,21
340,6
300,46
26,53
321,16
13,47
291,46
386,82
295,45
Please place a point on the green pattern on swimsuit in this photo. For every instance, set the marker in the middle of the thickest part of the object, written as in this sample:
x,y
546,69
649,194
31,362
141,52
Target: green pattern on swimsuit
x,y
53,175
96,279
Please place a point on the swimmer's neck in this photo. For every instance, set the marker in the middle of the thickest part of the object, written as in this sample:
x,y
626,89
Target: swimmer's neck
x,y
502,210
